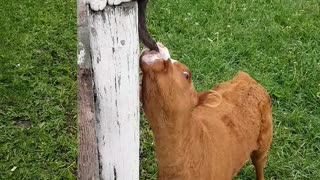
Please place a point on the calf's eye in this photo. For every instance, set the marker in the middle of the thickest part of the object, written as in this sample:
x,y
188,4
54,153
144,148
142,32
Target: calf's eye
x,y
186,75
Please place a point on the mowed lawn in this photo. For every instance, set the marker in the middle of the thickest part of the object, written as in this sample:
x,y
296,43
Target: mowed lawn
x,y
275,41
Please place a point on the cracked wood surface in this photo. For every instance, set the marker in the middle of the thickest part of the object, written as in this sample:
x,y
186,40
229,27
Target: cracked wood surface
x,y
114,46
108,91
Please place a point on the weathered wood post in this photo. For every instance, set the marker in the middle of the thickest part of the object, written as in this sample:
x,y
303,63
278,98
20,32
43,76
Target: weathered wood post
x,y
108,89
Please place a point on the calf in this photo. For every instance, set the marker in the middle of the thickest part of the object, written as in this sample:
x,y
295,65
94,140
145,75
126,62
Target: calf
x,y
203,135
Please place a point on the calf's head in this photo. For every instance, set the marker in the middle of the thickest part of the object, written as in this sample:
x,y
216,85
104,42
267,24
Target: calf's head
x,y
167,88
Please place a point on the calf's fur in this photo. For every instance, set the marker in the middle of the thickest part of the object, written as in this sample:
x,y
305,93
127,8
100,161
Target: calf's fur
x,y
204,135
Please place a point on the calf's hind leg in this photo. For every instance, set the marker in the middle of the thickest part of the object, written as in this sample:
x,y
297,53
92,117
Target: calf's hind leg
x,y
259,160
259,157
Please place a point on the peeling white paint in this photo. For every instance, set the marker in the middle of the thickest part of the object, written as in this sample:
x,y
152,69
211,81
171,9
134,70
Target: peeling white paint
x,y
98,5
81,53
114,43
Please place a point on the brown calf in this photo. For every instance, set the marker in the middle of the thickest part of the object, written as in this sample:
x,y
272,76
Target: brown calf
x,y
208,135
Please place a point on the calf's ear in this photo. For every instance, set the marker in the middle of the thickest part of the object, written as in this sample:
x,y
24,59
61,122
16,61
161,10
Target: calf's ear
x,y
209,98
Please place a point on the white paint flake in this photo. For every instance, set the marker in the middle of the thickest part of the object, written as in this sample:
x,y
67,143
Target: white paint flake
x,y
81,53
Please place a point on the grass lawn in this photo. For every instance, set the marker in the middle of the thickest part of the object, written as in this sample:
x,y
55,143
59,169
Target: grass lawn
x,y
276,41
38,101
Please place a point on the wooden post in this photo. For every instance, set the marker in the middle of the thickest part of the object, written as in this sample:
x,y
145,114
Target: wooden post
x,y
88,164
113,66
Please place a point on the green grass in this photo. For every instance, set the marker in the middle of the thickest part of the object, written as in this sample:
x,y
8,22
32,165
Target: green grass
x,y
38,89
276,41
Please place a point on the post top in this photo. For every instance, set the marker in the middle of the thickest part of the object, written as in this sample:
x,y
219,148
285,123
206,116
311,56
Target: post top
x,y
98,5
